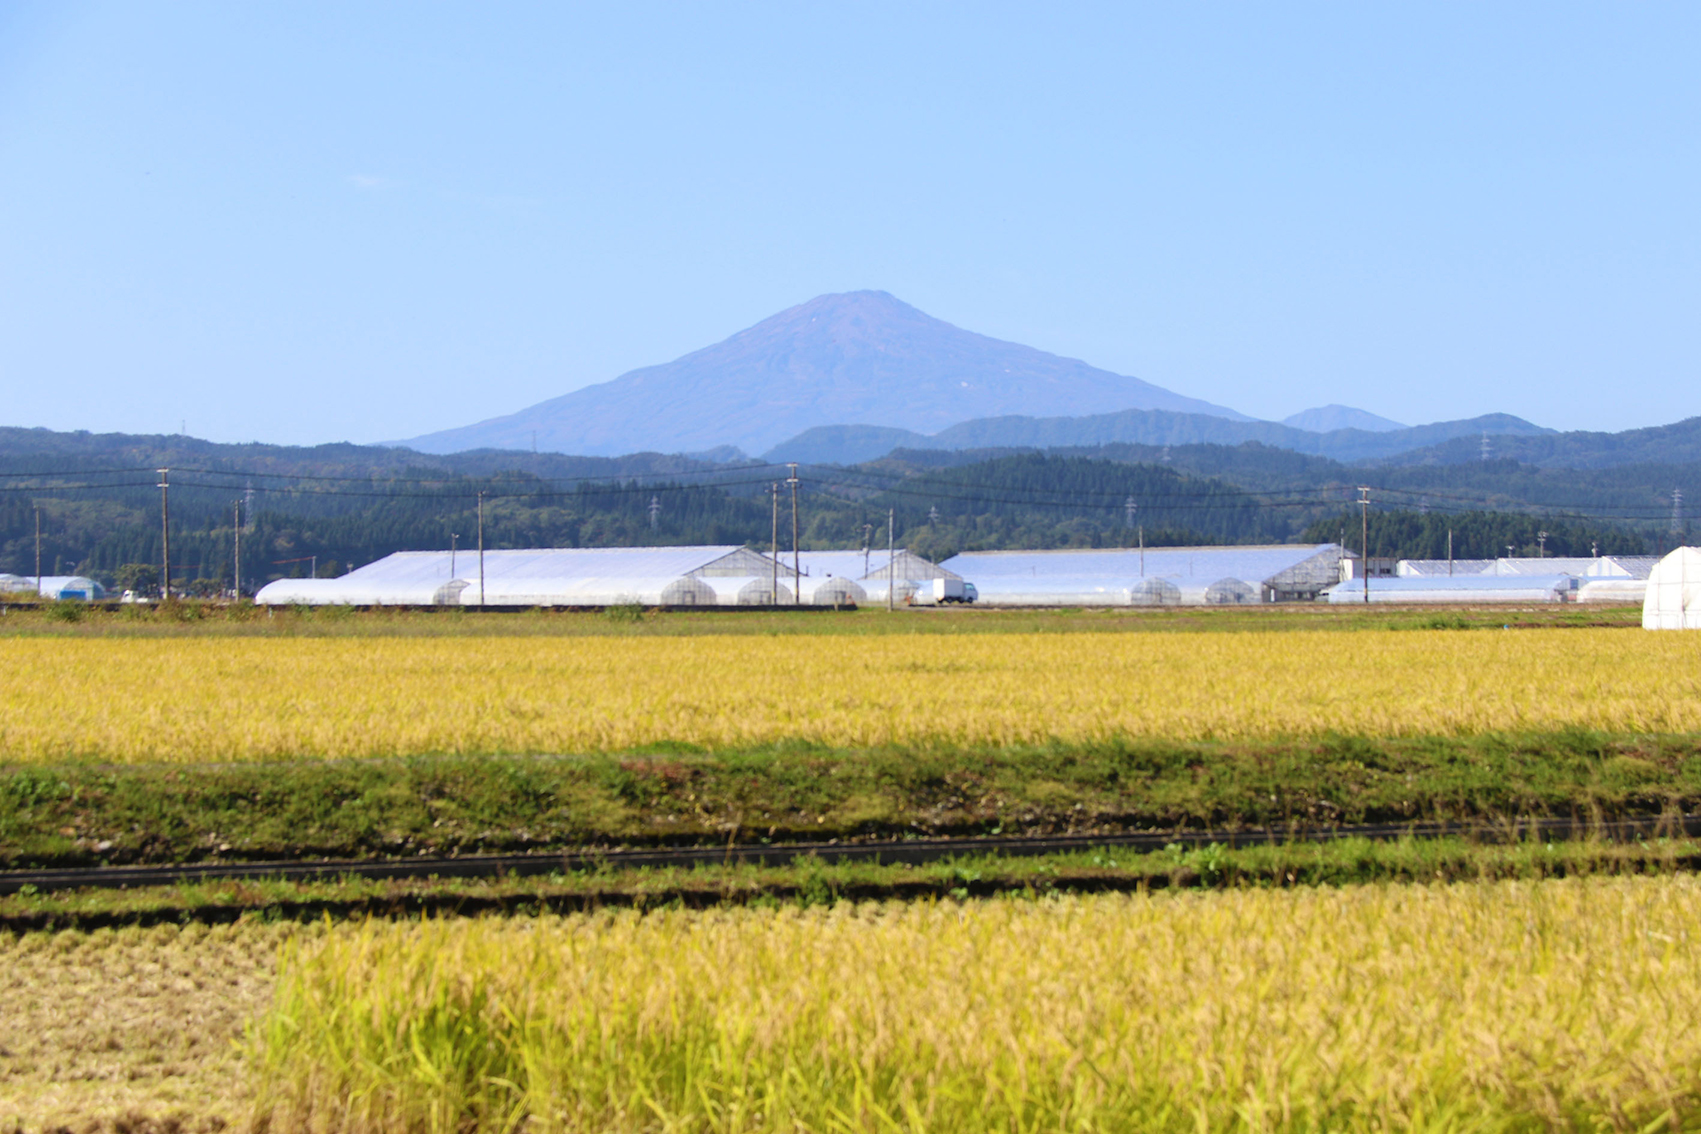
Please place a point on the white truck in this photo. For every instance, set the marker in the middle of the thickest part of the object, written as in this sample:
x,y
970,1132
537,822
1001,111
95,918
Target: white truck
x,y
953,590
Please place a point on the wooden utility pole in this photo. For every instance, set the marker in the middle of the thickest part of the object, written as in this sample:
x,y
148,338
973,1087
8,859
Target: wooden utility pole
x,y
774,547
165,536
481,549
796,560
38,549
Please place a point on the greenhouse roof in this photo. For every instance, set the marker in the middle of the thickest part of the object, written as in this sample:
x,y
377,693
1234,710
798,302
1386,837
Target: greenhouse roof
x,y
1123,565
422,567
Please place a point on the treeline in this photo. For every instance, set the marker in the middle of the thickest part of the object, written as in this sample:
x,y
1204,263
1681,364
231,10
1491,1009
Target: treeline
x,y
1473,535
333,508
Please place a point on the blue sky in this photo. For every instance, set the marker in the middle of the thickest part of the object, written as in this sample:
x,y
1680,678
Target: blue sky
x,y
305,222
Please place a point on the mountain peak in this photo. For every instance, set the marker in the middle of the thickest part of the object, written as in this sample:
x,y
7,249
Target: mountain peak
x,y
1327,419
848,356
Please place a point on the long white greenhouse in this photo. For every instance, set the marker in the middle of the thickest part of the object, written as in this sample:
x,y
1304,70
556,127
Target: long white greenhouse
x,y
1600,579
1168,576
1459,589
614,576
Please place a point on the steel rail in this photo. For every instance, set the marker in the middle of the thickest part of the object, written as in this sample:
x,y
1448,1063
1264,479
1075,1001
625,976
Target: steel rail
x,y
913,851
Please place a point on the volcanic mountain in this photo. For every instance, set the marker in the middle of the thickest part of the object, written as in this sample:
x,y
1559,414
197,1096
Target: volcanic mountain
x,y
861,356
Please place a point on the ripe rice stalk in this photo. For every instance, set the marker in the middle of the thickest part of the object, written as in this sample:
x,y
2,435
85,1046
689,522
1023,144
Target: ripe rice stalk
x,y
1476,1007
135,700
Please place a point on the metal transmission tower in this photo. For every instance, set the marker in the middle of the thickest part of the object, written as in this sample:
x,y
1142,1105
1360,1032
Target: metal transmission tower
x,y
165,535
655,510
1364,519
933,514
236,548
796,560
774,547
1487,449
481,550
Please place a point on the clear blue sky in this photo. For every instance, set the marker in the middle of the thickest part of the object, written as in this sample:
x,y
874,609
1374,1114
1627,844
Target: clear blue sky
x,y
304,222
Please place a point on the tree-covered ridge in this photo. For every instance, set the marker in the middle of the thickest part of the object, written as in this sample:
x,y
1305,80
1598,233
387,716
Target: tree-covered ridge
x,y
335,507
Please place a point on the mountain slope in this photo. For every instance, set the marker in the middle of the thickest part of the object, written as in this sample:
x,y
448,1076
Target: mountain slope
x,y
1677,443
860,356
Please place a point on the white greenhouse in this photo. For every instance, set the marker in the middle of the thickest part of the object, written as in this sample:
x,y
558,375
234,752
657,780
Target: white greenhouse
x,y
1166,576
1673,600
1468,589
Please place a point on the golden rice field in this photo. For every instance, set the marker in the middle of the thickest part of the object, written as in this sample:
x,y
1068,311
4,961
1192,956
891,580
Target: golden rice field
x,y
198,699
1557,1005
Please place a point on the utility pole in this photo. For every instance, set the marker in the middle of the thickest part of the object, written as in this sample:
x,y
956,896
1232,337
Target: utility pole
x,y
481,549
236,546
1364,542
165,536
1142,551
655,510
1676,515
454,538
867,538
38,549
774,546
1541,545
1449,553
891,555
796,561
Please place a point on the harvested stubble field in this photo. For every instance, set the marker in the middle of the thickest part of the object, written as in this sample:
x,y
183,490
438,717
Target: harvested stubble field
x,y
234,699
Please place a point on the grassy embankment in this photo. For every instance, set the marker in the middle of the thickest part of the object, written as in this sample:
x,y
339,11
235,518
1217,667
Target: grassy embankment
x,y
812,882
213,619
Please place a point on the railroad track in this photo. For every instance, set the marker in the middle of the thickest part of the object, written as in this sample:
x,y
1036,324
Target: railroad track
x,y
890,851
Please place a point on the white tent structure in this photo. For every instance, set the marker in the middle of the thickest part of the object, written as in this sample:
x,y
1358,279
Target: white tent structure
x,y
1673,599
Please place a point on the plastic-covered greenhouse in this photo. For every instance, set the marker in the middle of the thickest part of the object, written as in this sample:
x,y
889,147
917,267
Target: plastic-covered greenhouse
x,y
651,576
1673,599
1167,576
1459,589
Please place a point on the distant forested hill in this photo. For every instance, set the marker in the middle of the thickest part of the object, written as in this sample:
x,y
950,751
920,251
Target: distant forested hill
x,y
345,505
